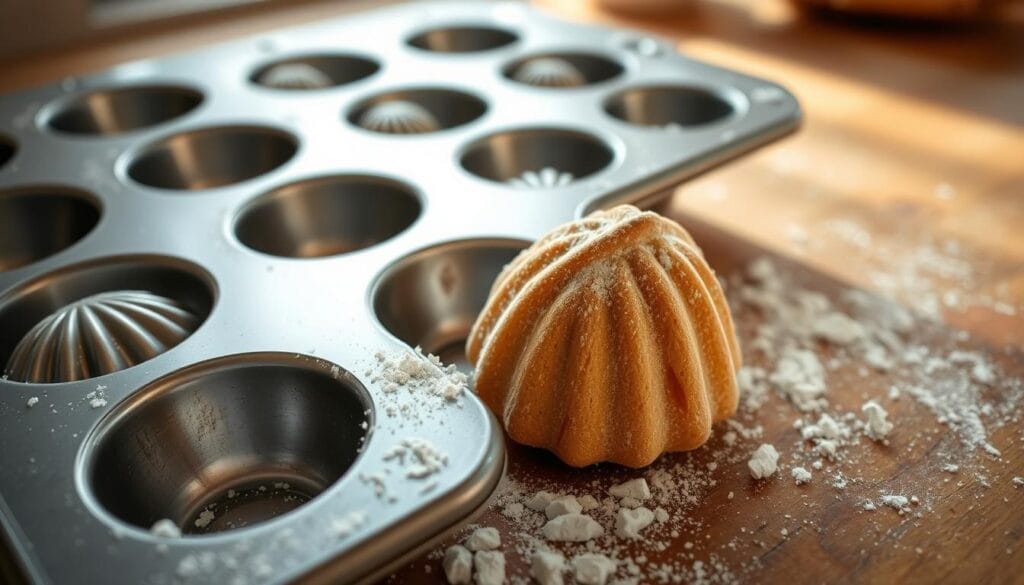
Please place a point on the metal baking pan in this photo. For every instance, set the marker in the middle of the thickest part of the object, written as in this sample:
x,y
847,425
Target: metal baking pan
x,y
201,255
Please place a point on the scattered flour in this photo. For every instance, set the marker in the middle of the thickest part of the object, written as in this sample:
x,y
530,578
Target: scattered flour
x,y
634,488
484,538
572,528
629,523
561,506
800,475
349,523
763,462
205,517
899,503
458,565
877,426
592,569
165,528
547,567
488,567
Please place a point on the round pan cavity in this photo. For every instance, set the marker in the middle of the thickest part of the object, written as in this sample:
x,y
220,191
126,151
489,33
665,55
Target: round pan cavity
x,y
562,70
114,111
537,158
7,150
327,216
227,443
37,222
462,39
432,297
97,318
310,72
417,111
211,157
669,105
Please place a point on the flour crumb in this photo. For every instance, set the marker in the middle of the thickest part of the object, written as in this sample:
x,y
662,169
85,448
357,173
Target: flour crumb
x,y
950,467
877,426
32,401
348,524
800,475
165,528
458,565
634,488
572,528
629,523
547,567
489,567
514,511
204,519
838,329
764,461
1018,481
899,503
540,500
800,377
592,568
485,538
588,502
561,506
661,514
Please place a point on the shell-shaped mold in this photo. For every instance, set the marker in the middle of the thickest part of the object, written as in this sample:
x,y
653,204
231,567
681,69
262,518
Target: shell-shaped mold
x,y
399,117
295,76
546,178
98,335
549,72
609,339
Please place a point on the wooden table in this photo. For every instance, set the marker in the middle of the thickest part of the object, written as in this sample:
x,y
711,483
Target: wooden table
x,y
906,179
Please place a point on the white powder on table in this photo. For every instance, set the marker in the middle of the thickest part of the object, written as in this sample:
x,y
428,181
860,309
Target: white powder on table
x,y
572,528
877,426
592,568
540,501
897,502
484,538
458,565
763,463
634,488
561,506
547,567
488,567
800,475
629,523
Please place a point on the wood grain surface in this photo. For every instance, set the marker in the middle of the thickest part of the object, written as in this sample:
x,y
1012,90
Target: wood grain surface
x,y
907,179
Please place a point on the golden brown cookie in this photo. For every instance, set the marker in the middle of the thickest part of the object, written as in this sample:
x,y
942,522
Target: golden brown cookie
x,y
609,339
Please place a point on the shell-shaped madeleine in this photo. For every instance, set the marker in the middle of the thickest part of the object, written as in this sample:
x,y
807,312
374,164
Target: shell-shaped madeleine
x,y
98,335
609,339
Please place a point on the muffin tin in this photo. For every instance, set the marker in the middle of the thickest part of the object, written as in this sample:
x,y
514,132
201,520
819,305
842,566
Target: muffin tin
x,y
202,255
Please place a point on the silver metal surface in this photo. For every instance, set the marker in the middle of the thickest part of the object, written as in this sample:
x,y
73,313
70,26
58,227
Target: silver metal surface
x,y
303,243
98,335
